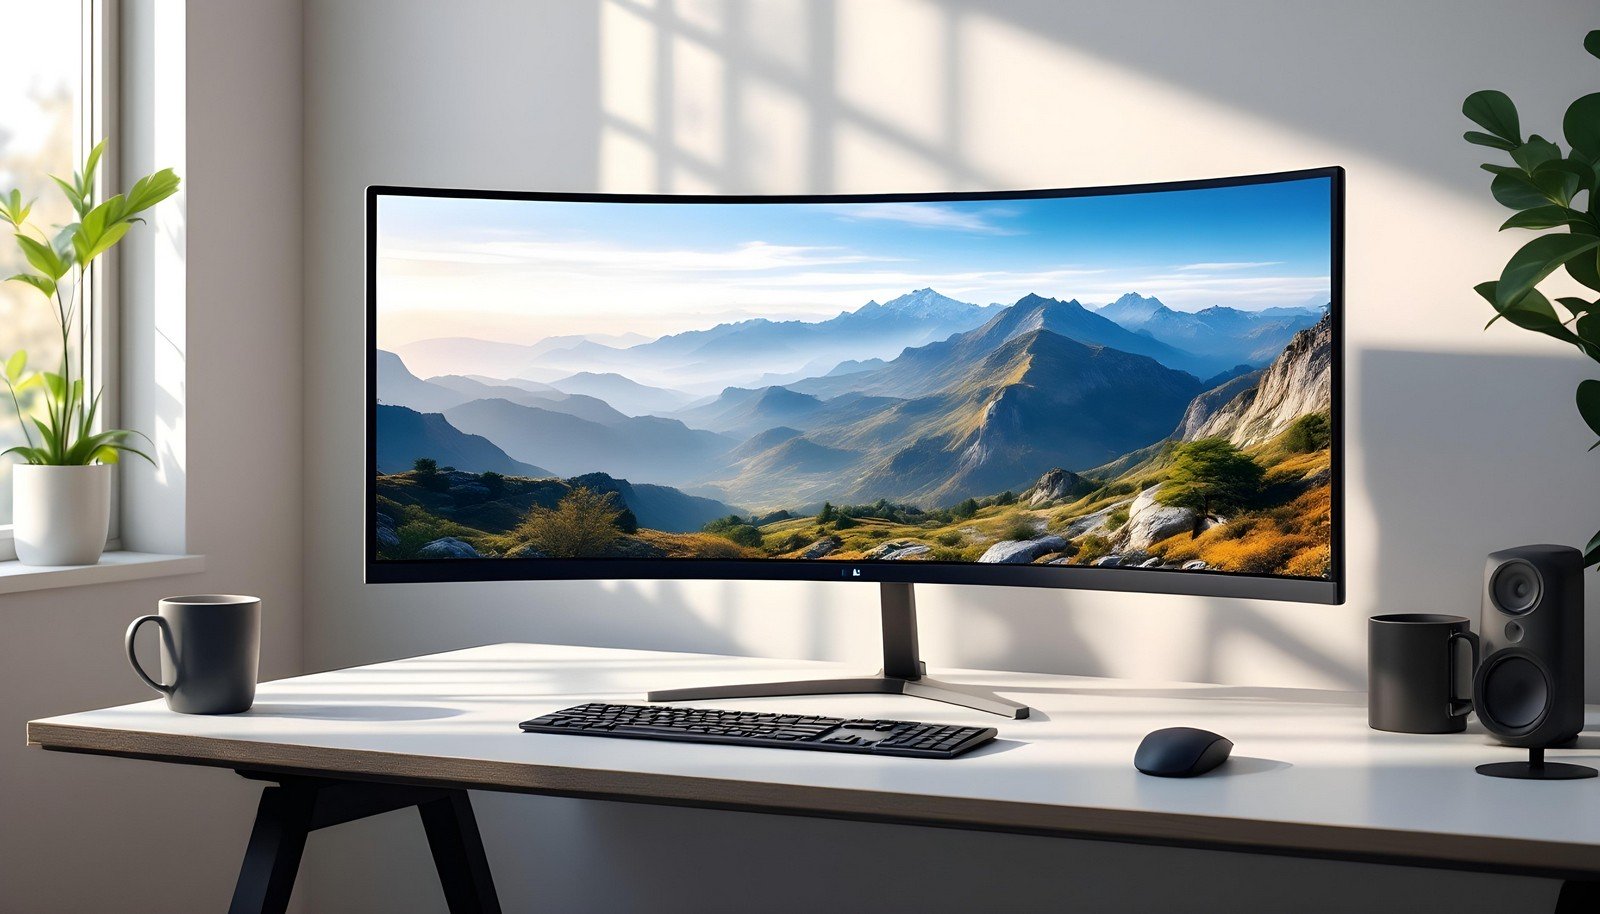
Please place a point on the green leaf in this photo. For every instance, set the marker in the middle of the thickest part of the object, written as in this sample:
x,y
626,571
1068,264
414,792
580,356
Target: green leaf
x,y
1591,552
105,242
1582,125
16,365
73,195
1591,42
1535,152
32,455
1589,403
1484,139
150,190
1560,180
1536,260
43,283
1543,217
13,210
1493,111
43,257
1579,305
1588,329
1517,191
1585,270
89,166
65,242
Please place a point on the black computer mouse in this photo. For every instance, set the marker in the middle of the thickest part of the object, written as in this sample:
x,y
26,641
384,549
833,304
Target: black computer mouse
x,y
1181,752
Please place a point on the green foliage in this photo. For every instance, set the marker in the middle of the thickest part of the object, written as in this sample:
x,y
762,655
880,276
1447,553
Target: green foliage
x,y
844,522
1019,526
1007,497
494,482
1091,547
1210,476
966,509
827,514
1543,185
743,535
583,524
425,466
1116,518
1311,432
66,432
627,521
735,529
952,538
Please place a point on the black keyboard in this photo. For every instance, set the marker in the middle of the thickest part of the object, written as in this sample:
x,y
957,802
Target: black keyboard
x,y
748,728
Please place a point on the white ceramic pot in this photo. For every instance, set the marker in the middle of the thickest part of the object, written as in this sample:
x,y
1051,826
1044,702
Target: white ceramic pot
x,y
60,515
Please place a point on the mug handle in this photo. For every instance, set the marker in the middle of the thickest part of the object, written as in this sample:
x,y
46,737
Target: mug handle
x,y
133,658
1460,706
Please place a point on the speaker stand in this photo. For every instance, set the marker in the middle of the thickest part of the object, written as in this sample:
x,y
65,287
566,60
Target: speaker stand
x,y
903,672
1537,769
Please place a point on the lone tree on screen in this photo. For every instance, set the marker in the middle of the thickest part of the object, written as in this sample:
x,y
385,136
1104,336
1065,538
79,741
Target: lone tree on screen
x,y
583,524
1210,476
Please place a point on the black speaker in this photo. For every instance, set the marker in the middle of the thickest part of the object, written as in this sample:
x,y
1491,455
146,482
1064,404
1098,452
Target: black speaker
x,y
1528,690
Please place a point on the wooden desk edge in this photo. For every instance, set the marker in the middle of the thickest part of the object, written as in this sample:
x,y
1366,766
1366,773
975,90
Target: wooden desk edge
x,y
1518,856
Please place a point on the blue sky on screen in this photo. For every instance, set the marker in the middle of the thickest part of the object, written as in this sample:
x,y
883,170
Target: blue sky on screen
x,y
520,270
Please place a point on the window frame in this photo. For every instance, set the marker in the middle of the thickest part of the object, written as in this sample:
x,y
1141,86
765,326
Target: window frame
x,y
98,330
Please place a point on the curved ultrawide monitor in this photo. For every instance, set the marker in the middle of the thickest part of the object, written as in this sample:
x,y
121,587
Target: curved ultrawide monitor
x,y
1120,388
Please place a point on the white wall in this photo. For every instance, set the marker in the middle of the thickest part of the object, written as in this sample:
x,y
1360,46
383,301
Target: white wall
x,y
79,833
1460,441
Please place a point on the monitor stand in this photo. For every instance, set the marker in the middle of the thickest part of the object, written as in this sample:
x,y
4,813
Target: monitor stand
x,y
902,673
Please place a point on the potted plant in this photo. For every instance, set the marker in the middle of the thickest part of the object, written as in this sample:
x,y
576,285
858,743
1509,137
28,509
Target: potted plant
x,y
61,489
1543,185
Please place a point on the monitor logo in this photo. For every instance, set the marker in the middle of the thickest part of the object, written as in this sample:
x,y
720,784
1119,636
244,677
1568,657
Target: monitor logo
x,y
855,572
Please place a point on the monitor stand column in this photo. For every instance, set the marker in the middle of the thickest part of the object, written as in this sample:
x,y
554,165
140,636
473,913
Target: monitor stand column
x,y
903,672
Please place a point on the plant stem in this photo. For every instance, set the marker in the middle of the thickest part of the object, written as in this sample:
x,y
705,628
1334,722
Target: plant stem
x,y
21,419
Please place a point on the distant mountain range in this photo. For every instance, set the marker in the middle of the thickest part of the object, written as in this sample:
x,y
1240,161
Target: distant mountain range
x,y
644,448
702,362
463,354
629,396
1216,337
398,386
405,435
921,399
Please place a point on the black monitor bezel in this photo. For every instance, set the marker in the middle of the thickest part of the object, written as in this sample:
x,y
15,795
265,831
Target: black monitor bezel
x,y
1142,580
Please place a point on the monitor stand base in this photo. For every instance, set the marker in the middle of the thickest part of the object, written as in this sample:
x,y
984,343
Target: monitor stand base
x,y
902,673
1537,769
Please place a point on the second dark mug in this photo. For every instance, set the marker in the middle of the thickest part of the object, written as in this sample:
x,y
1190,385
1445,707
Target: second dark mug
x,y
210,648
1413,669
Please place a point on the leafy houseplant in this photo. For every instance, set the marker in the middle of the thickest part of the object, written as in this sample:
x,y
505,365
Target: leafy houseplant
x,y
62,488
1543,186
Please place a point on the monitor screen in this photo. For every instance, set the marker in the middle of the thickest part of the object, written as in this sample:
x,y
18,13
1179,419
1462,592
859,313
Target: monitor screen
x,y
1131,388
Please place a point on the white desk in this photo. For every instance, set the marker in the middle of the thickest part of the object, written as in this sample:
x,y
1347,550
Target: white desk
x,y
1307,776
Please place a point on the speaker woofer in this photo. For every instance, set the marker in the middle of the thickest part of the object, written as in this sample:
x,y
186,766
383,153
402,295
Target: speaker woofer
x,y
1516,693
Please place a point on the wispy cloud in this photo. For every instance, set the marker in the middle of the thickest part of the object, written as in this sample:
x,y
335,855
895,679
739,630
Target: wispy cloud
x,y
753,256
1231,265
927,215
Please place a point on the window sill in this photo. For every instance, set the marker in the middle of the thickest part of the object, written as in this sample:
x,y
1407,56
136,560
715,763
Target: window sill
x,y
16,577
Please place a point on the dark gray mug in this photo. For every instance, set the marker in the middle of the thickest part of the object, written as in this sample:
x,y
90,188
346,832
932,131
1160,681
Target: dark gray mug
x,y
210,649
1413,669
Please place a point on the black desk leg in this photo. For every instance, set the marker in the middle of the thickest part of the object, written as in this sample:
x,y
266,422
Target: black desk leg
x,y
272,860
458,854
1578,897
295,807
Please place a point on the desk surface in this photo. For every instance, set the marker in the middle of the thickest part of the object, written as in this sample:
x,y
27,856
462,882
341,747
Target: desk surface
x,y
1307,775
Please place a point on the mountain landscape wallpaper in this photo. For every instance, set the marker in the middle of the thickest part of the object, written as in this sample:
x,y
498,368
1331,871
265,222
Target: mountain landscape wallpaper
x,y
1140,380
